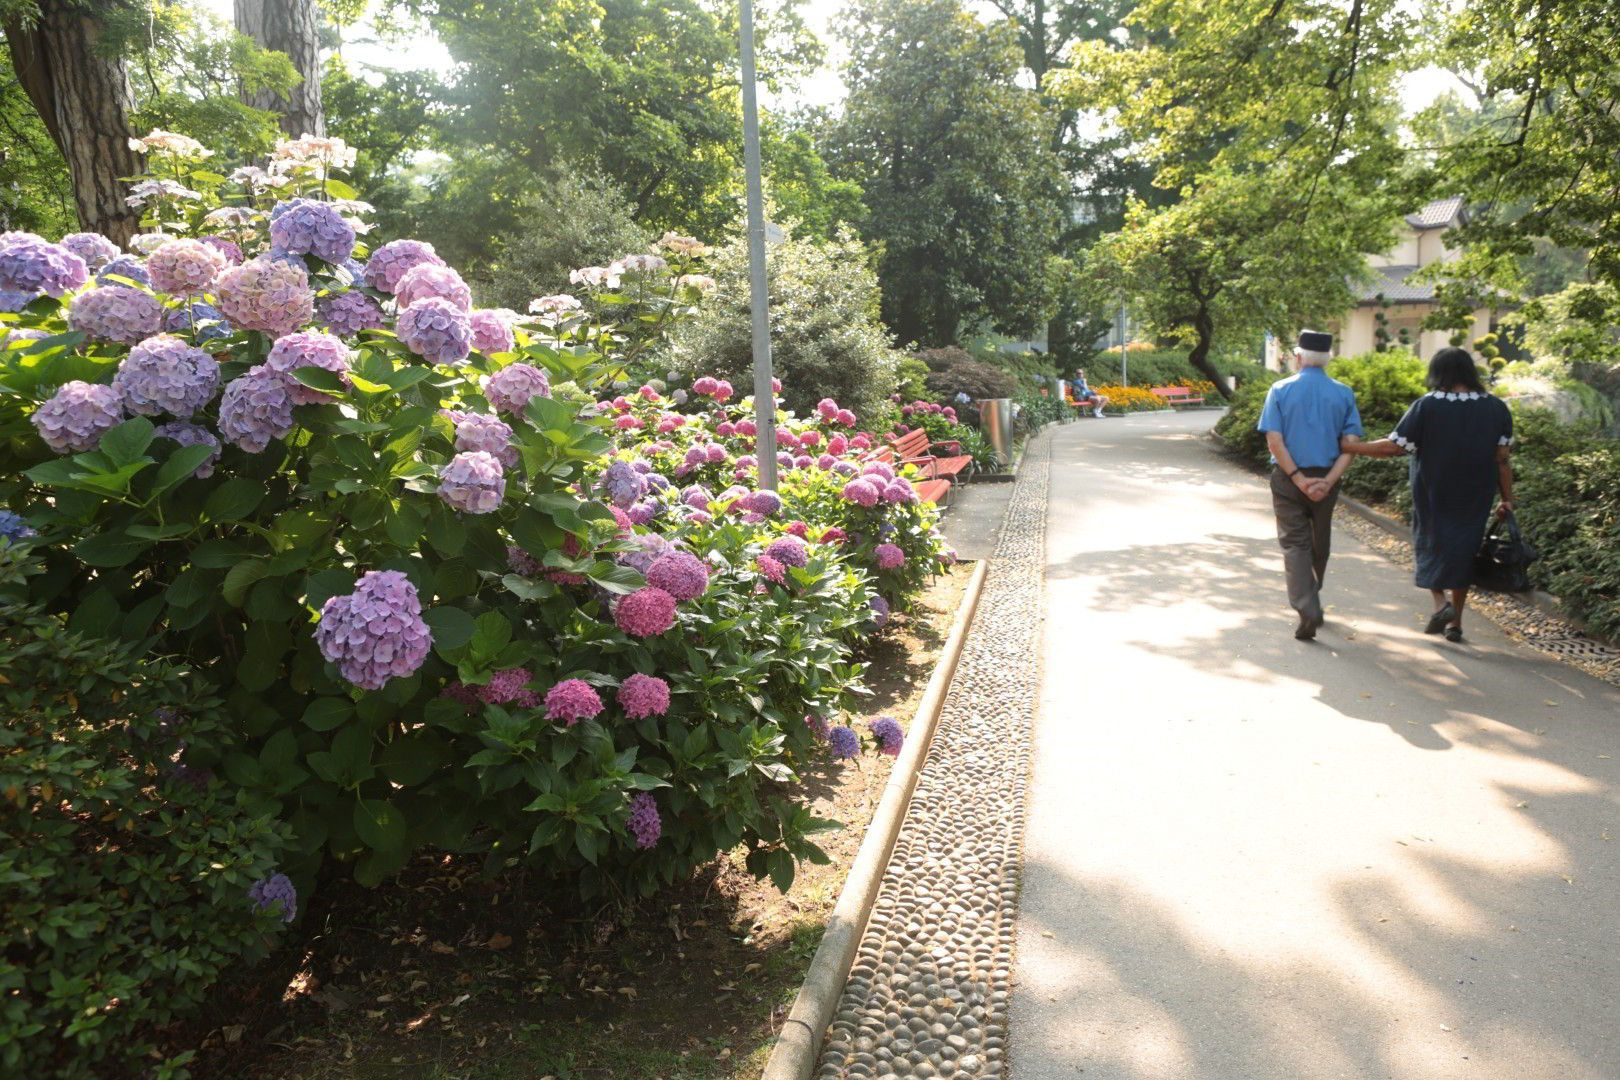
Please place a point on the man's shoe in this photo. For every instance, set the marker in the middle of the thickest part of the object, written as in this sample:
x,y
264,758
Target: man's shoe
x,y
1308,625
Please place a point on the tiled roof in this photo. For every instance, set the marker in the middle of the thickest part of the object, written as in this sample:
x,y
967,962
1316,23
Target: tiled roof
x,y
1437,214
1391,282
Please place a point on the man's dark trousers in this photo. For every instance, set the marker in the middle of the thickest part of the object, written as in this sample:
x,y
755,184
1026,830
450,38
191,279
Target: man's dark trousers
x,y
1305,532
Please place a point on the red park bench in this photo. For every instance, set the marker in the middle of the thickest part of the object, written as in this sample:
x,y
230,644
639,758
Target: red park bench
x,y
913,448
1177,395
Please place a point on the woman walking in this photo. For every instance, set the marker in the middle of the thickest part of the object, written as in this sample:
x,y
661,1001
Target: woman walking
x,y
1459,438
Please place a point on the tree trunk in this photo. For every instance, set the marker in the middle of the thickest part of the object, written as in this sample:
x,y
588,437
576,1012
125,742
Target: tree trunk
x,y
288,26
1199,357
84,99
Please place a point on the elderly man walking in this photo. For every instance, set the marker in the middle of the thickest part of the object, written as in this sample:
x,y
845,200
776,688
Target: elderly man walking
x,y
1304,416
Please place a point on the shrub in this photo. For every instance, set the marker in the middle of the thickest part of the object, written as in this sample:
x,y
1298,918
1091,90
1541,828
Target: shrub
x,y
127,869
1386,384
1236,428
1036,410
956,378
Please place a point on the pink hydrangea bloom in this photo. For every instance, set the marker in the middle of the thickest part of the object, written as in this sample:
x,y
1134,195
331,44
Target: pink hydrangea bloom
x,y
308,348
888,556
117,313
846,417
789,551
834,535
837,444
185,267
706,386
646,612
644,695
723,391
827,409
492,330
680,574
473,482
507,688
509,389
390,262
262,294
644,823
799,529
572,700
861,492
771,569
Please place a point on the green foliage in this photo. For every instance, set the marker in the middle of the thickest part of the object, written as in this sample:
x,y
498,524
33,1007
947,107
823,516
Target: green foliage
x,y
1160,368
35,192
126,871
1036,410
825,337
1236,428
1577,324
1386,384
954,375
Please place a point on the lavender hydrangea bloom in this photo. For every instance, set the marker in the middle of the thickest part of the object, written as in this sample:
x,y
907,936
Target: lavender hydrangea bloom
x,y
232,253
509,389
128,267
476,431
203,320
763,502
623,484
164,374
12,300
789,551
115,313
473,482
880,611
650,548
390,262
301,227
492,330
644,695
644,822
276,894
184,267
643,513
680,573
96,250
888,556
436,330
844,468
308,348
845,743
900,491
426,280
255,408
30,263
12,527
890,736
77,415
262,294
697,497
188,434
375,633
348,312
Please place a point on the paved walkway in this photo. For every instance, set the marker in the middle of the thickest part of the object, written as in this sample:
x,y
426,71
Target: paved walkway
x,y
1247,857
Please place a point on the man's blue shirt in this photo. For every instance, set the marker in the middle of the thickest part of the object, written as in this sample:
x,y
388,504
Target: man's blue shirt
x,y
1311,411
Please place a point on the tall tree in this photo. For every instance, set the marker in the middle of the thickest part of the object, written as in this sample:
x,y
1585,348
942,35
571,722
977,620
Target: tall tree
x,y
954,158
78,84
291,27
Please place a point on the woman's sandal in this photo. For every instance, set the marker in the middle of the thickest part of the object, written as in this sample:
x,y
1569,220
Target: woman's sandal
x,y
1454,633
1437,621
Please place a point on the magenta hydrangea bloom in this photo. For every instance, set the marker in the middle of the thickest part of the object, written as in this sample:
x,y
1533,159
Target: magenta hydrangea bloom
x,y
890,736
861,492
255,408
348,312
428,281
845,743
184,267
644,695
646,612
507,688
834,535
644,823
266,295
771,569
681,574
375,633
571,701
77,415
706,386
825,462
810,439
309,348
437,330
479,431
492,330
697,497
827,409
879,468
96,250
304,227
837,444
763,502
116,313
31,264
186,433
390,262
165,374
900,491
789,551
846,417
473,482
888,556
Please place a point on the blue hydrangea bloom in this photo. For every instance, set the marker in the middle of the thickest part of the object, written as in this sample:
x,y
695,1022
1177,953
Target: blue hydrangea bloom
x,y
277,889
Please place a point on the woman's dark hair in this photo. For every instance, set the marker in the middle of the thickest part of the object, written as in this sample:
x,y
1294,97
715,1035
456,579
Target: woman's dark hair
x,y
1452,366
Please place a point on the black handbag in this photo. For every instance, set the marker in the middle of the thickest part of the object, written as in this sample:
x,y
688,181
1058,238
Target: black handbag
x,y
1503,562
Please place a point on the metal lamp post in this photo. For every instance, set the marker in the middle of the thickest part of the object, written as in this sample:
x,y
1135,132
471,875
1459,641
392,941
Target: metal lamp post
x,y
764,395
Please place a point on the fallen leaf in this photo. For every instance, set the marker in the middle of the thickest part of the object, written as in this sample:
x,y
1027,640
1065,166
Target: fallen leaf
x,y
233,1033
1047,933
1551,704
498,940
1521,806
1444,1028
441,948
629,992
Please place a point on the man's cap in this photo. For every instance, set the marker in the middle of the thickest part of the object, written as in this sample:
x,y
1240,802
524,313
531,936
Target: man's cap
x,y
1315,341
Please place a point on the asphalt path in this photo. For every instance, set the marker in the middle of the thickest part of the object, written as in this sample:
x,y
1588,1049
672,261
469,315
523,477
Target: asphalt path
x,y
1248,857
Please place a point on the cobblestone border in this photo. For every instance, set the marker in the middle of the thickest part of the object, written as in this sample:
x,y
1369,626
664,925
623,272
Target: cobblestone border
x,y
927,995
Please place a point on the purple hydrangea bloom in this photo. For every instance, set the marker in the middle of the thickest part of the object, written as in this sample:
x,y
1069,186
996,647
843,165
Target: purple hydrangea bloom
x,y
844,468
747,461
878,468
129,267
19,333
888,556
803,461
509,389
492,330
184,267
825,462
164,374
650,548
680,573
275,894
784,460
375,633
789,551
890,736
572,700
265,295
508,688
658,482
31,264
188,434
232,253
861,492
473,482
521,562
880,611
478,431
12,527
436,330
623,484
348,312
308,348
845,743
900,491
13,301
643,513
646,612
429,281
96,250
715,454
255,408
77,415
644,695
115,313
302,227
203,320
390,262
763,502
644,823
697,497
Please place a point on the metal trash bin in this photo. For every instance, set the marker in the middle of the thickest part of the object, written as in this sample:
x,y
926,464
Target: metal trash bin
x,y
996,420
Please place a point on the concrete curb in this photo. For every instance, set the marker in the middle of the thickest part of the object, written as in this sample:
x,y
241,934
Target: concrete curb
x,y
799,1044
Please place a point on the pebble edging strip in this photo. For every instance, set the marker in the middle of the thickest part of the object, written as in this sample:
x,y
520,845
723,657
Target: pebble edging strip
x,y
927,996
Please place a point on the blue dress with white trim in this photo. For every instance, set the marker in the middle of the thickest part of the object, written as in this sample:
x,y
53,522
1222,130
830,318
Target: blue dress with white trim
x,y
1452,439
